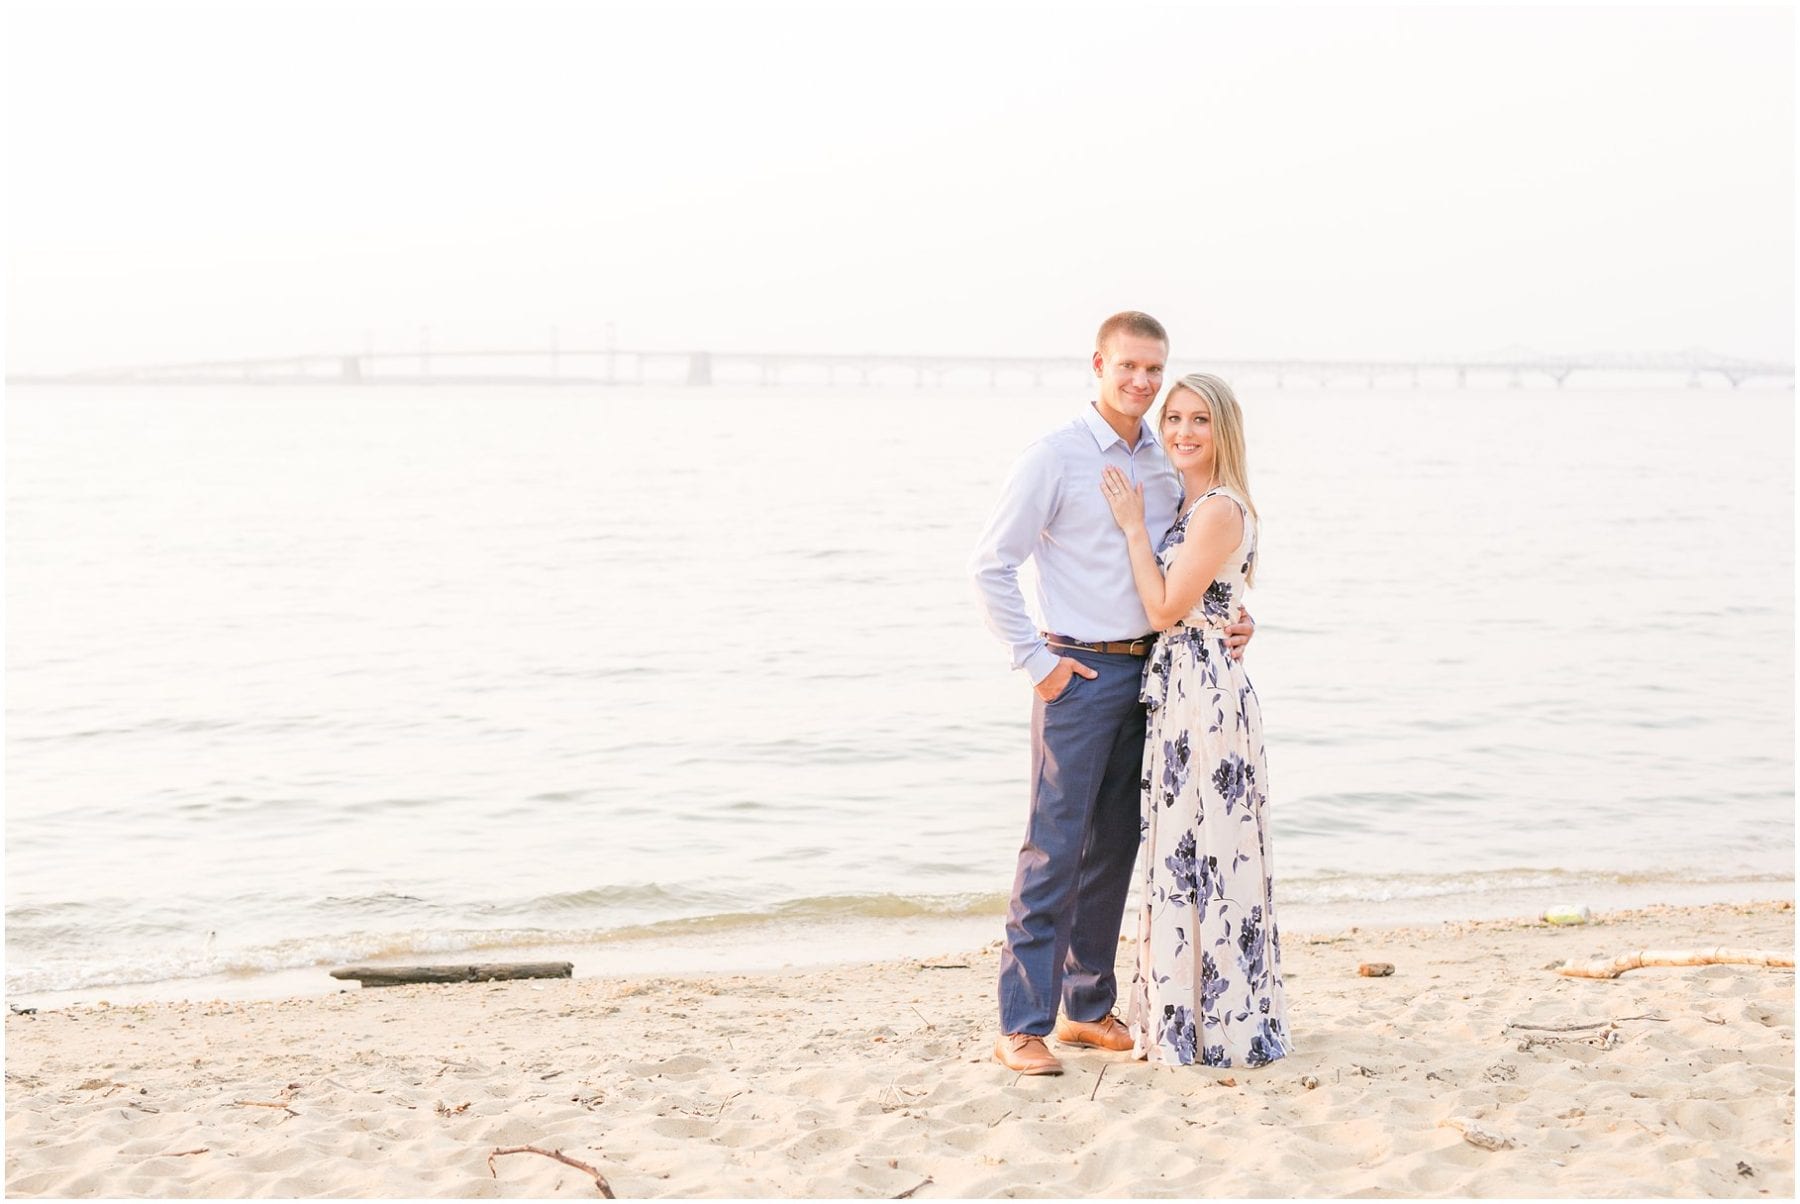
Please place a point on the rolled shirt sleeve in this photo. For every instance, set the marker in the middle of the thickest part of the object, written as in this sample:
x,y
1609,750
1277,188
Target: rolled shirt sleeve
x,y
1027,503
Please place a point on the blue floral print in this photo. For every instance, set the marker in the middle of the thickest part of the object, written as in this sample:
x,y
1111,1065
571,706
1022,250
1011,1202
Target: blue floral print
x,y
1268,1044
1250,944
1175,768
1212,984
1178,1030
1232,779
1215,603
1185,875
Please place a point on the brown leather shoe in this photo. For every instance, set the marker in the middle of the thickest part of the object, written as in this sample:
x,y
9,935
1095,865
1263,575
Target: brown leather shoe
x,y
1027,1054
1108,1032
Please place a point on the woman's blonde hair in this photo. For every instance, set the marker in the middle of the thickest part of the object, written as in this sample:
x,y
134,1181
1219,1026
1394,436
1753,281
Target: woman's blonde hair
x,y
1230,463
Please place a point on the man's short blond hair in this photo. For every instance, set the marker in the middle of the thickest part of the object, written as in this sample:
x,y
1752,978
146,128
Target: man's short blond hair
x,y
1130,321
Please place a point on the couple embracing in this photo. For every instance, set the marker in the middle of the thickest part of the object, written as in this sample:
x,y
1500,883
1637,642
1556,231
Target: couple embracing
x,y
1144,728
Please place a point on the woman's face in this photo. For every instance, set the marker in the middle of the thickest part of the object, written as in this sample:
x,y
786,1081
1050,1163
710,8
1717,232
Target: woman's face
x,y
1187,432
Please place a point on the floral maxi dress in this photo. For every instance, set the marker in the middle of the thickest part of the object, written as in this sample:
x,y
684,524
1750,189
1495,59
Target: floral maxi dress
x,y
1207,987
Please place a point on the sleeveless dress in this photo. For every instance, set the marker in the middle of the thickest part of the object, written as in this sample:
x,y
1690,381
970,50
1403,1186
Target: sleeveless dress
x,y
1207,987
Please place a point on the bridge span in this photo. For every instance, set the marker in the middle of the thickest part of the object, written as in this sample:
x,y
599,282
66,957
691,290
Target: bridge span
x,y
612,366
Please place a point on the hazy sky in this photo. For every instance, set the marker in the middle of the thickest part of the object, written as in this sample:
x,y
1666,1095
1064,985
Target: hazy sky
x,y
242,178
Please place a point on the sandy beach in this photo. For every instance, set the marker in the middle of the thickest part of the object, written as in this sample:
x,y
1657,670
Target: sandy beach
x,y
876,1080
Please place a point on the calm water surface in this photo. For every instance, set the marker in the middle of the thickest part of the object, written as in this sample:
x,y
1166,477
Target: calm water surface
x,y
697,677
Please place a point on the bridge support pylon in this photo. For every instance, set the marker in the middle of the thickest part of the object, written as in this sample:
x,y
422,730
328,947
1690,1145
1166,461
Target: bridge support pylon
x,y
699,368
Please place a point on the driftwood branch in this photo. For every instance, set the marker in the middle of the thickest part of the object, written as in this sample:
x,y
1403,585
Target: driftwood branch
x,y
908,1193
1477,1135
1716,956
599,1179
266,1103
394,976
1575,1028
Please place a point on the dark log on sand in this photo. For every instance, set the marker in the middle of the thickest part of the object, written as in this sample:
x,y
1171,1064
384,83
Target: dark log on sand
x,y
394,976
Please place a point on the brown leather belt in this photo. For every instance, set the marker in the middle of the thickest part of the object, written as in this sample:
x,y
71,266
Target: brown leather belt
x,y
1137,647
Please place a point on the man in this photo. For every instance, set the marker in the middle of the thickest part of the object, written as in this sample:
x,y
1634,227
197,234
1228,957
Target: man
x,y
1087,724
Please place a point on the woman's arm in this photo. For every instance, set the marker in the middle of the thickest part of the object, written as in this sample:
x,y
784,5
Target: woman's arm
x,y
1214,531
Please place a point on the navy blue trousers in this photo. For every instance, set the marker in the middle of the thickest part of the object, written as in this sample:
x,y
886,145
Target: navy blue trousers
x,y
1081,838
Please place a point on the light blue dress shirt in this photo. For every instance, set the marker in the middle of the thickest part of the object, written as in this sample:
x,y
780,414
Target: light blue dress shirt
x,y
1052,510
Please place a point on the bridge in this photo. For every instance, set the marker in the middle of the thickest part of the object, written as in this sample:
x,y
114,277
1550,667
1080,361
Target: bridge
x,y
612,366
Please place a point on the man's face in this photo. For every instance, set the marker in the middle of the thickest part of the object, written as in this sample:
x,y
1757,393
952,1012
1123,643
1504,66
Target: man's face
x,y
1130,368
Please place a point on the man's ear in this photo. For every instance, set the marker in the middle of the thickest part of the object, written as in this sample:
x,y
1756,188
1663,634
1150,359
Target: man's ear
x,y
1099,364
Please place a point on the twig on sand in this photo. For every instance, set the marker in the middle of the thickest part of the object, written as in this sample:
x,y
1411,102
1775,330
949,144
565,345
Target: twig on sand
x,y
907,1194
1098,1079
265,1103
893,1097
1717,955
941,966
599,1179
929,1026
1476,1135
182,1153
1575,1028
1606,1038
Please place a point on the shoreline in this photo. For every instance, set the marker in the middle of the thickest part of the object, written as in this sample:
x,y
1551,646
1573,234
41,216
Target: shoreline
x,y
777,945
875,1078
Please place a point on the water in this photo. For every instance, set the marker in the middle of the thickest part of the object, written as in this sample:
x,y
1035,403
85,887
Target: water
x,y
673,678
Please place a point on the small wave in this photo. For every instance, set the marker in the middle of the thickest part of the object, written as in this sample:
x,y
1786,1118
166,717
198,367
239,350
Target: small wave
x,y
73,962
653,896
73,970
599,673
1385,888
376,902
818,908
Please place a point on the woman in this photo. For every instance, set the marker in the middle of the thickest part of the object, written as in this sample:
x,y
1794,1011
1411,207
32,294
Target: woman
x,y
1208,983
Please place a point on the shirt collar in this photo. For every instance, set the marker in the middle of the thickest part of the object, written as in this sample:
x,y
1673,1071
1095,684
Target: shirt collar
x,y
1105,436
